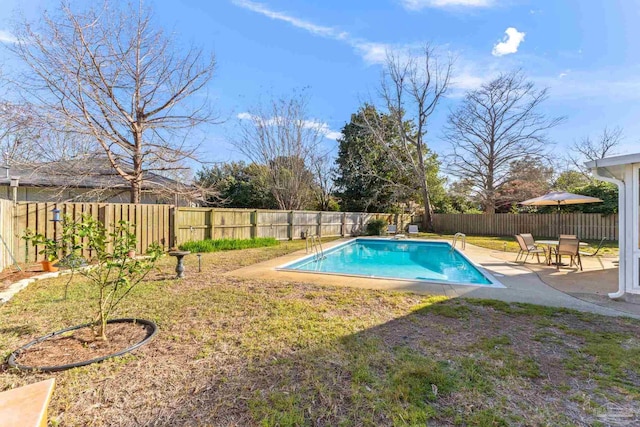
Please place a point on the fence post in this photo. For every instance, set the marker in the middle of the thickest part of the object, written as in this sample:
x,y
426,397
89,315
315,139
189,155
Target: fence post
x,y
319,233
254,224
15,236
343,223
104,211
212,215
290,225
175,215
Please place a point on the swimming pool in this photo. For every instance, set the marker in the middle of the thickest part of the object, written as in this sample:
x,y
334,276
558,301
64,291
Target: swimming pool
x,y
397,259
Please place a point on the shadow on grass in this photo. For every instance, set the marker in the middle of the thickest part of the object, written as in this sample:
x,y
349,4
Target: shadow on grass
x,y
18,330
455,362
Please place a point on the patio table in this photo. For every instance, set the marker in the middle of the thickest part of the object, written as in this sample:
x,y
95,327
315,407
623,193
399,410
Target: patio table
x,y
550,244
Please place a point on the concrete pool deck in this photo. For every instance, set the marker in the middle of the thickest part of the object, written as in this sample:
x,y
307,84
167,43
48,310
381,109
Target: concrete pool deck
x,y
530,283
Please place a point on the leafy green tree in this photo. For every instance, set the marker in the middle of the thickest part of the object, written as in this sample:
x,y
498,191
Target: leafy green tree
x,y
367,173
362,170
237,185
605,191
458,198
569,180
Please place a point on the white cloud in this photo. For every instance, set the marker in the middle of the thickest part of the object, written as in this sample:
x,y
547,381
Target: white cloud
x,y
509,43
609,85
319,30
322,127
370,52
421,4
7,37
333,135
468,81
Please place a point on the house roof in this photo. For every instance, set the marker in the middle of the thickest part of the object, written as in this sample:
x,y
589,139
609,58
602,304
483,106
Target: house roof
x,y
83,172
613,166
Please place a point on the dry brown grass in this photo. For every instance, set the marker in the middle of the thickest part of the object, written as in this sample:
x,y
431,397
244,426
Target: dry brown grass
x,y
233,352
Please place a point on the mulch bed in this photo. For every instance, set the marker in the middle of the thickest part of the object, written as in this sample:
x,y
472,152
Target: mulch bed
x,y
11,275
80,345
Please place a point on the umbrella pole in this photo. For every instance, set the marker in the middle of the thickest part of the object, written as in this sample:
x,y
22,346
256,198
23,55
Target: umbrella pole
x,y
558,220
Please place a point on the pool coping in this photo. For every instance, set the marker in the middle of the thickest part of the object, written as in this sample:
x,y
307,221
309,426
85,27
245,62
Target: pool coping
x,y
522,284
268,270
494,283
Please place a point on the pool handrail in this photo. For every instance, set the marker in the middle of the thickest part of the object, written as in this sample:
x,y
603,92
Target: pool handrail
x,y
463,238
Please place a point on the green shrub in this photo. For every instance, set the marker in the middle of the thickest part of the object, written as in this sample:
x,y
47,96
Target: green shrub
x,y
209,245
376,227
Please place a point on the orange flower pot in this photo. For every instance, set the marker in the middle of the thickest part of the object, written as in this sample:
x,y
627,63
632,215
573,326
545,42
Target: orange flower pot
x,y
48,266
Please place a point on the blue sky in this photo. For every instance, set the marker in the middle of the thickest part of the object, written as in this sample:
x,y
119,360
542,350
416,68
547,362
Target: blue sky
x,y
585,52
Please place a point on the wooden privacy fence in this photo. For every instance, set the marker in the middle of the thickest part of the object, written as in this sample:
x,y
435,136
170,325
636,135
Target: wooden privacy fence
x,y
216,223
584,225
170,226
7,233
152,223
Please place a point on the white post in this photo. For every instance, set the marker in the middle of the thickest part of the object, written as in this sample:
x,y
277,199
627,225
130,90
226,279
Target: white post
x,y
622,238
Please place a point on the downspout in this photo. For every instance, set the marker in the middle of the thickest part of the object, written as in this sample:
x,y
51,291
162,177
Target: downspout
x,y
621,236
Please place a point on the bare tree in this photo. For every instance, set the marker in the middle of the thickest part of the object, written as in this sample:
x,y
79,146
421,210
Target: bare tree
x,y
411,90
496,125
17,133
324,180
282,137
587,149
107,74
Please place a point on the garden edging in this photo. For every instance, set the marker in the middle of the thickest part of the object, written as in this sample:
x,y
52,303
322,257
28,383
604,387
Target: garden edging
x,y
16,287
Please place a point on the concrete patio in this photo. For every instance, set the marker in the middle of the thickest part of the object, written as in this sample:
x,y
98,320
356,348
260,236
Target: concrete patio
x,y
528,283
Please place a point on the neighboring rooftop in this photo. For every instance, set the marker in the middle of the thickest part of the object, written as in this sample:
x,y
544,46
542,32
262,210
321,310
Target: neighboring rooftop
x,y
95,172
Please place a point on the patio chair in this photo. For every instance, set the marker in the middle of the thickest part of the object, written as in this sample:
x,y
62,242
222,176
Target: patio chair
x,y
528,249
596,251
568,236
570,247
413,229
529,240
392,229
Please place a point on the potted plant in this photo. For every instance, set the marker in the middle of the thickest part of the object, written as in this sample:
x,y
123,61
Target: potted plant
x,y
50,249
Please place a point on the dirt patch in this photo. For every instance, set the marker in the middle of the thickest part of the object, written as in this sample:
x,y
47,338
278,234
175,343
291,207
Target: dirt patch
x,y
81,345
11,275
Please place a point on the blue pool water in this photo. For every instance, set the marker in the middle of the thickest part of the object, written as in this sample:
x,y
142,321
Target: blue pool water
x,y
405,259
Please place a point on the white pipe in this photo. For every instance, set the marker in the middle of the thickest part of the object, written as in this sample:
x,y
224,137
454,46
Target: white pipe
x,y
621,232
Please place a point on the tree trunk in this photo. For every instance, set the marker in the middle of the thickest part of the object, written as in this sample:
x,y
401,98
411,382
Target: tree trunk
x,y
427,218
136,182
135,191
101,320
490,195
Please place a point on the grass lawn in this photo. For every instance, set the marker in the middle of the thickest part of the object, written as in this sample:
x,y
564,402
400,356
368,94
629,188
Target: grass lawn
x,y
509,244
210,245
233,352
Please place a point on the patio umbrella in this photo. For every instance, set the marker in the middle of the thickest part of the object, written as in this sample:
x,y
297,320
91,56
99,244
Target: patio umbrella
x,y
559,198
